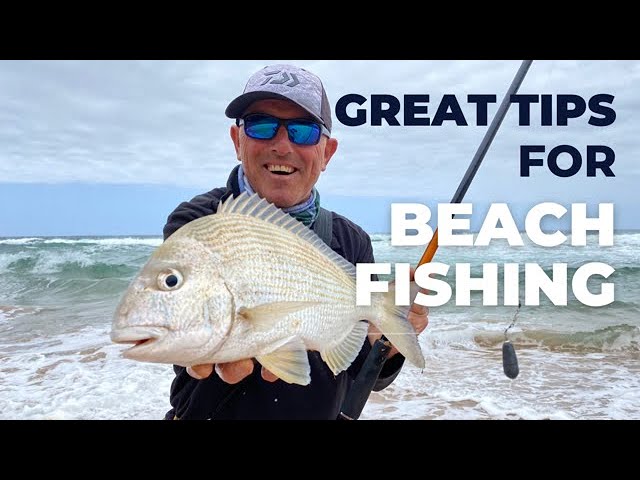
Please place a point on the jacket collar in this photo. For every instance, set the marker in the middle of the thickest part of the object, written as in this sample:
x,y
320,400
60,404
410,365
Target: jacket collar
x,y
232,182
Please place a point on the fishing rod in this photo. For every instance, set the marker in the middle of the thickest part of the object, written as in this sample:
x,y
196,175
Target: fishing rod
x,y
365,380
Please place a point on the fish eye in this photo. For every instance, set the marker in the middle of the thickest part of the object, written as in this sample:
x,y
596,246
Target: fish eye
x,y
169,279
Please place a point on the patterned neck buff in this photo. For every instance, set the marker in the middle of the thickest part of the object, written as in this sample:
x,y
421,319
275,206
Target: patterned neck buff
x,y
305,212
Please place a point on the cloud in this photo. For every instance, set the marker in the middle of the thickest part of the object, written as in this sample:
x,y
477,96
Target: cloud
x,y
162,122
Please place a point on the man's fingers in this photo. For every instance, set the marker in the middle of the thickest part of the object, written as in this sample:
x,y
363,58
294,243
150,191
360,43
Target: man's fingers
x,y
418,315
200,371
412,272
268,376
419,309
234,372
419,322
373,334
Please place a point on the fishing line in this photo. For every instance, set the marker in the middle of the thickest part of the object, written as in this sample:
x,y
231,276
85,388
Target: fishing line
x,y
509,357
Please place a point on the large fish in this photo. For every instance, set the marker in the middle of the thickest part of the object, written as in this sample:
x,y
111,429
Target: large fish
x,y
251,281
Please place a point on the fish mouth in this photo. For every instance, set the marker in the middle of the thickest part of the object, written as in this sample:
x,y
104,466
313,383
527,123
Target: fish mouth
x,y
142,338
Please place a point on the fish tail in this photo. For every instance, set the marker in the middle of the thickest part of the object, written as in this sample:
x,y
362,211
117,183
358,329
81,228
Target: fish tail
x,y
392,322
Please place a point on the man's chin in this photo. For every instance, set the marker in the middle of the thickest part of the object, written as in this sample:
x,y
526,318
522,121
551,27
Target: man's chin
x,y
282,191
279,199
281,202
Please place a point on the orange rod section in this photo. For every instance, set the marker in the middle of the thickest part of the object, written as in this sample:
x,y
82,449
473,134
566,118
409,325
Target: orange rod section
x,y
430,251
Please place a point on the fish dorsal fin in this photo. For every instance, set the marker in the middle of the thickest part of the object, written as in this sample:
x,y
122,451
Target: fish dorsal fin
x,y
289,362
256,207
341,356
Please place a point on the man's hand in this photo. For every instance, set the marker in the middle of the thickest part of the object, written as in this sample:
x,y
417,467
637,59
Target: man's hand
x,y
418,317
232,372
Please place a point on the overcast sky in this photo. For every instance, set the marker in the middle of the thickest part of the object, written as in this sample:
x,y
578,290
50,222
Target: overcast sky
x,y
111,147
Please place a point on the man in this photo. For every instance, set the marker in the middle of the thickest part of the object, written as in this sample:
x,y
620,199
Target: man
x,y
282,137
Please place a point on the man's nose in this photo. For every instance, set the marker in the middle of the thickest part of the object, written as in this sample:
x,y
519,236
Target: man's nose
x,y
280,143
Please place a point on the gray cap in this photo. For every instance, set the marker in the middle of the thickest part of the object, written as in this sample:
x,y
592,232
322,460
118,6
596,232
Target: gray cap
x,y
285,82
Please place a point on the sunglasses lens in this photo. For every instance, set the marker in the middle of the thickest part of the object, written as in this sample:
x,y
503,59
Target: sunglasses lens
x,y
265,127
304,133
260,127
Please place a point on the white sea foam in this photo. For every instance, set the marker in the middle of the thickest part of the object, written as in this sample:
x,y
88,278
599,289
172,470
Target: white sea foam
x,y
80,376
7,259
19,241
115,241
153,242
11,312
468,384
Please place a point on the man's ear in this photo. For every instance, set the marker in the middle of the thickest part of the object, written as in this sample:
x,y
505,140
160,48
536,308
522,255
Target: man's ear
x,y
329,149
234,132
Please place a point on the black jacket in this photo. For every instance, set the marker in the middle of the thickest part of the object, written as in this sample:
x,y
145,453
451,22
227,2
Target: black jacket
x,y
254,398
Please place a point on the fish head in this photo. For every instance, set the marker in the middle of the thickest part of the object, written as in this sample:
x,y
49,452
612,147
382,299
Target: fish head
x,y
177,309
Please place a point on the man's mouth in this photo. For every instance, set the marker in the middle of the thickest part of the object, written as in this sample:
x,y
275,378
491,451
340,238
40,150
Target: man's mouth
x,y
280,170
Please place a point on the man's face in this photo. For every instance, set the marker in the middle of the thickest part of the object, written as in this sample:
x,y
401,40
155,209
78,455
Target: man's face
x,y
259,156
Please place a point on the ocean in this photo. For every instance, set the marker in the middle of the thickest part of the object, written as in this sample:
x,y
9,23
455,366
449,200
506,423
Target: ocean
x,y
576,362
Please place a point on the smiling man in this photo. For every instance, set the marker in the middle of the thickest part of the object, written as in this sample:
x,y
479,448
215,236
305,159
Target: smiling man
x,y
285,172
282,138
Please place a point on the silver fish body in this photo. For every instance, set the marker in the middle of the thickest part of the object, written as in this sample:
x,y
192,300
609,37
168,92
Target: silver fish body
x,y
251,281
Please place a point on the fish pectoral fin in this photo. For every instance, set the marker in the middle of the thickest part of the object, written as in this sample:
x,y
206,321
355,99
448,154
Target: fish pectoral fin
x,y
289,362
341,356
265,315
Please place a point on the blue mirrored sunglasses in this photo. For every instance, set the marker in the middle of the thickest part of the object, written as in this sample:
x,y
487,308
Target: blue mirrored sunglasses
x,y
264,127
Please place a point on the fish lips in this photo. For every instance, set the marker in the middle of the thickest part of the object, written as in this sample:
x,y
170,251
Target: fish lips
x,y
144,338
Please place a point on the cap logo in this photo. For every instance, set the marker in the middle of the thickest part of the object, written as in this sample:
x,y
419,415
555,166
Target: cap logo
x,y
280,80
